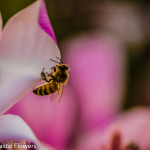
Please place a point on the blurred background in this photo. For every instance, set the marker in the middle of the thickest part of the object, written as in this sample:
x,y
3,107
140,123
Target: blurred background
x,y
123,23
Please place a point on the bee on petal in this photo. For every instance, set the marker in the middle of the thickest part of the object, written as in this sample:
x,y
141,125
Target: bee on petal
x,y
54,86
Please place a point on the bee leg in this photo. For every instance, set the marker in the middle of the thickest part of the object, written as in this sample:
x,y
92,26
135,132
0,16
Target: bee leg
x,y
43,75
52,77
43,69
49,74
53,70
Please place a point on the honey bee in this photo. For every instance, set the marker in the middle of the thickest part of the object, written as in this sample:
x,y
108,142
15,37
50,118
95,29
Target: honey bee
x,y
56,82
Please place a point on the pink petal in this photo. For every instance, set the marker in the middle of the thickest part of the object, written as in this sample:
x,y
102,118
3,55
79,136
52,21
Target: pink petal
x,y
53,125
45,23
24,50
133,126
14,128
97,73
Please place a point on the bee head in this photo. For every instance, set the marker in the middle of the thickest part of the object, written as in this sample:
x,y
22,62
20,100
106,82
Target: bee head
x,y
63,67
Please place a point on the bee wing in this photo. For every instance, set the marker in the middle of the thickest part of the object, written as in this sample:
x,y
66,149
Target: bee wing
x,y
61,89
58,94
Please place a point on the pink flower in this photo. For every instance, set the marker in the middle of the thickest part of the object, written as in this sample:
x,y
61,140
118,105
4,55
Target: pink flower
x,y
97,75
27,42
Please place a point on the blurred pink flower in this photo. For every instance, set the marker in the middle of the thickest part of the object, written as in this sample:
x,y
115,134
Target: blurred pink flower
x,y
97,75
26,44
131,130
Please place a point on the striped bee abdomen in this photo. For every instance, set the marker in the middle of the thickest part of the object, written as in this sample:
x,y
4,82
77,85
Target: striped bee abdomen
x,y
45,89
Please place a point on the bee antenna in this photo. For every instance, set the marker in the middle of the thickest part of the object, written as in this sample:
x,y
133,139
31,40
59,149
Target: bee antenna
x,y
54,61
60,60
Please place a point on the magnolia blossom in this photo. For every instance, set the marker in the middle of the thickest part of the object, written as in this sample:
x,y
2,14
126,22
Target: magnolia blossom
x,y
27,42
